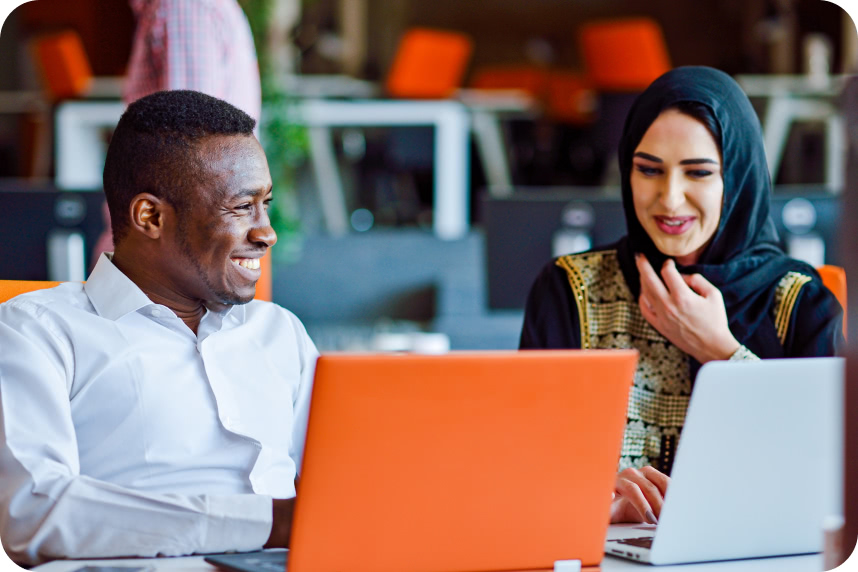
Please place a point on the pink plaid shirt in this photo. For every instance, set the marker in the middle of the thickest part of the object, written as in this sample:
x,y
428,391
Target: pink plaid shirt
x,y
204,45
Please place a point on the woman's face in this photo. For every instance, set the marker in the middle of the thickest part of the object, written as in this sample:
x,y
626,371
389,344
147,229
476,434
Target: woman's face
x,y
677,186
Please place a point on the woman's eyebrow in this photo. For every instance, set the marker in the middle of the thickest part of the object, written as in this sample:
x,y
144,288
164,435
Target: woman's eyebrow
x,y
648,157
698,161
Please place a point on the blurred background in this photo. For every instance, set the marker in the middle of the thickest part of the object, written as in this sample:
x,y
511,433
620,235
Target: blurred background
x,y
428,157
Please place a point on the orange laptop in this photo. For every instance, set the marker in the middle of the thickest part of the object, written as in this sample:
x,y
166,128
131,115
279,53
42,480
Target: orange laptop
x,y
460,462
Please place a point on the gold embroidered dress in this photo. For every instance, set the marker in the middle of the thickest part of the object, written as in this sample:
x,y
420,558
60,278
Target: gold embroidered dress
x,y
609,317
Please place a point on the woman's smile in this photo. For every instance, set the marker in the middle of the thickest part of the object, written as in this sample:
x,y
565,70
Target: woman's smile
x,y
677,187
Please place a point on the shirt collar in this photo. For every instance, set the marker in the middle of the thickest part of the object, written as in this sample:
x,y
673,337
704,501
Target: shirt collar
x,y
111,292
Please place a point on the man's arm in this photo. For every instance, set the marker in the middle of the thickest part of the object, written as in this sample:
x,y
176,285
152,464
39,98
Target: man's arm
x,y
48,509
281,529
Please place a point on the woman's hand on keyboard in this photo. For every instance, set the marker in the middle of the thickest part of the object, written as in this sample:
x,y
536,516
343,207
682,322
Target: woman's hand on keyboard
x,y
638,495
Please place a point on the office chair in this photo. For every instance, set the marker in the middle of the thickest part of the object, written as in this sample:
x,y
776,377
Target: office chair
x,y
11,288
429,64
834,277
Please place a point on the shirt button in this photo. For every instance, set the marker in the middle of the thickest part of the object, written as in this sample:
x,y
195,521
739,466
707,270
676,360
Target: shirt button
x,y
157,313
227,422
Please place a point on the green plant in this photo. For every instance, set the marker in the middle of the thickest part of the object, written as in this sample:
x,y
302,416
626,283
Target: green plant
x,y
284,140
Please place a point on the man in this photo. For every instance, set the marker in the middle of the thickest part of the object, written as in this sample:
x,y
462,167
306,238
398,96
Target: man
x,y
157,408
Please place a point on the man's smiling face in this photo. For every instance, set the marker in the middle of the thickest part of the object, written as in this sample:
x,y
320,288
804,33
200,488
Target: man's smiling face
x,y
224,230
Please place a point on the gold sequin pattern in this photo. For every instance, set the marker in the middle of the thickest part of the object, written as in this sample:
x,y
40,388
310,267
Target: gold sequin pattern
x,y
612,320
786,295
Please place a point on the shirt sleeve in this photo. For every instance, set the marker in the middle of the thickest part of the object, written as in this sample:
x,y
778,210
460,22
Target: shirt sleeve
x,y
194,47
550,315
301,403
743,354
48,509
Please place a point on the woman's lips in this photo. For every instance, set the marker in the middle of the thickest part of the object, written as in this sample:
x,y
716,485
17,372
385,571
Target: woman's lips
x,y
674,224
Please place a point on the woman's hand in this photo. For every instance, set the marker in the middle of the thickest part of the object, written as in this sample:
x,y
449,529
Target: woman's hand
x,y
687,310
639,495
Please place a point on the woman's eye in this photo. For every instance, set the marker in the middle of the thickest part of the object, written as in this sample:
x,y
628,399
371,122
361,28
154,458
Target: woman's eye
x,y
648,171
699,173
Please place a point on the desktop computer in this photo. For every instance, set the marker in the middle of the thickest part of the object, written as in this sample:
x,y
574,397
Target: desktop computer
x,y
48,234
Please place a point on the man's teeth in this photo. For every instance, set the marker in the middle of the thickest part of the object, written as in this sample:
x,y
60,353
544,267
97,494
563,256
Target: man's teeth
x,y
249,263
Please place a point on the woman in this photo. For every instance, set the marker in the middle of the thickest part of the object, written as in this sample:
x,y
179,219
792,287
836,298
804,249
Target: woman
x,y
698,277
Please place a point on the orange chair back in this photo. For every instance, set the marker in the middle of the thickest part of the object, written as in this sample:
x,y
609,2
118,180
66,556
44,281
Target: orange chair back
x,y
11,288
834,277
263,286
625,54
565,95
64,64
429,64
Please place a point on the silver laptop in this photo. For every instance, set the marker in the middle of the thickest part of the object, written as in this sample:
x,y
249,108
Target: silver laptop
x,y
758,468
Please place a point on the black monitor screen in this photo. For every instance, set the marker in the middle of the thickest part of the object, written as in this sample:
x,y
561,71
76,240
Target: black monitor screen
x,y
35,220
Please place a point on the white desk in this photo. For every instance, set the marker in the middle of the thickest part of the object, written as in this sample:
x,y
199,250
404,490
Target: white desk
x,y
79,141
792,98
451,161
812,563
454,120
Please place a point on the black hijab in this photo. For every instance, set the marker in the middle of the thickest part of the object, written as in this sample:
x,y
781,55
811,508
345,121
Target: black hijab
x,y
743,259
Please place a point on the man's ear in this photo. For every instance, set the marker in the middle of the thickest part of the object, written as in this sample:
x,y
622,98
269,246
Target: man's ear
x,y
147,215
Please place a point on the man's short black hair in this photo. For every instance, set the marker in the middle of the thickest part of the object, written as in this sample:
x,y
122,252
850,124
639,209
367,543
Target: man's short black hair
x,y
153,149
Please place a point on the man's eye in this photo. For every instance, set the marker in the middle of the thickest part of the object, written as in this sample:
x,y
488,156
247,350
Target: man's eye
x,y
267,203
244,206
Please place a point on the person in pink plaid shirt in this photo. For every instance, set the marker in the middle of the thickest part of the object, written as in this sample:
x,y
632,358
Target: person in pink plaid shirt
x,y
203,45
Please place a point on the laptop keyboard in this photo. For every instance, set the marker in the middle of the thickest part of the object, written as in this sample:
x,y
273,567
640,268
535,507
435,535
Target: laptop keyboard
x,y
641,542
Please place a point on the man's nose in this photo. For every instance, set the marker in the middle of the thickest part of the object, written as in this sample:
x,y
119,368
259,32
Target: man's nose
x,y
263,233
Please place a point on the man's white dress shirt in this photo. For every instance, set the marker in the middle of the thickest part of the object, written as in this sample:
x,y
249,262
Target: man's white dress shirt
x,y
123,433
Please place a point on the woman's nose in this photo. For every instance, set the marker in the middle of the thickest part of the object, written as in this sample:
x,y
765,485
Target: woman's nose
x,y
672,193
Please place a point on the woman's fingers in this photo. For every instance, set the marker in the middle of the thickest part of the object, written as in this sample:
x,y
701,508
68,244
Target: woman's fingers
x,y
631,493
651,284
644,495
657,478
699,284
673,279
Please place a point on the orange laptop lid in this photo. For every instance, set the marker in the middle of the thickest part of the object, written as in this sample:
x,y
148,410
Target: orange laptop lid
x,y
460,462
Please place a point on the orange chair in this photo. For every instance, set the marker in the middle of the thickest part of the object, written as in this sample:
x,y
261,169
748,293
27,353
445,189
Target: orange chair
x,y
624,54
565,95
834,277
263,286
429,64
11,288
64,64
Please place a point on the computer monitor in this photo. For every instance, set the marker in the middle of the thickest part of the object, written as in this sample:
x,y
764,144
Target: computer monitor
x,y
47,234
527,228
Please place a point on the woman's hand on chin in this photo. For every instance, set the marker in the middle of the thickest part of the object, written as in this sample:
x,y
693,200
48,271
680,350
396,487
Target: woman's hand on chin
x,y
638,495
687,310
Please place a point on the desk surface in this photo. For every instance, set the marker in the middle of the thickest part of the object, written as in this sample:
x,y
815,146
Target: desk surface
x,y
609,564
